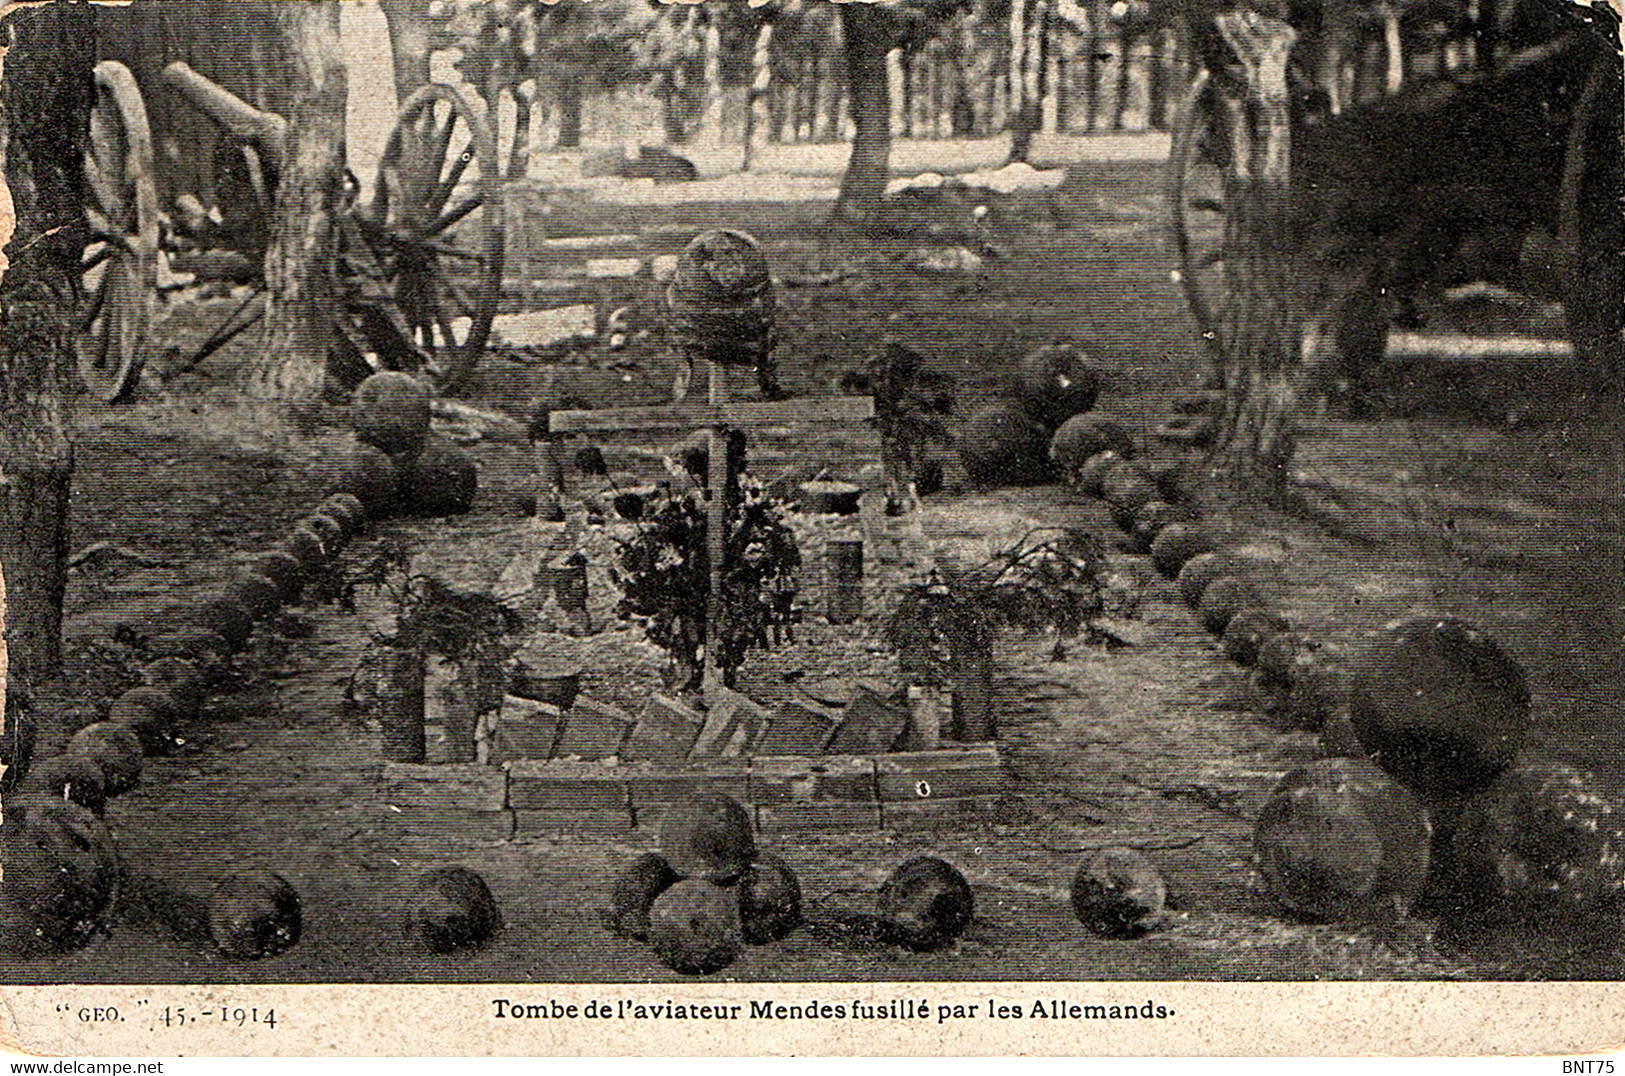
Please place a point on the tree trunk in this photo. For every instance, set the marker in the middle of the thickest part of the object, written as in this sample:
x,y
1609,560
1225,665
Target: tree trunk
x,y
299,264
519,153
1265,312
761,81
408,22
45,102
570,110
711,121
865,34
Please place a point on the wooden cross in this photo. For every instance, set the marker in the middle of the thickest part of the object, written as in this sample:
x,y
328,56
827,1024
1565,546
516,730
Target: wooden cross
x,y
718,415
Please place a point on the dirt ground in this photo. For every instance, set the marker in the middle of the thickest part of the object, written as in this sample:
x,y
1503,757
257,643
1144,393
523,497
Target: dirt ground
x,y
1445,506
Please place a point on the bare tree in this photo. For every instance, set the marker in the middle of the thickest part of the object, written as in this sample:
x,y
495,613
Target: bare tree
x,y
45,101
299,264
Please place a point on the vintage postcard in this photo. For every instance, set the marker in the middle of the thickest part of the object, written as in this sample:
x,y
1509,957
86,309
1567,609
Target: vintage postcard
x,y
806,527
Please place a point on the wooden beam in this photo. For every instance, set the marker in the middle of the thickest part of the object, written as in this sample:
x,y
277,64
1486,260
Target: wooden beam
x,y
730,413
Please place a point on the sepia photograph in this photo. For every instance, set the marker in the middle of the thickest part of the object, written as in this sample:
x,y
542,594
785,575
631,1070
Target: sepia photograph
x,y
832,494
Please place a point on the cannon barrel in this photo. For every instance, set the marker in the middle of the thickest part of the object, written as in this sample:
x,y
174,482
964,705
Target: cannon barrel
x,y
242,119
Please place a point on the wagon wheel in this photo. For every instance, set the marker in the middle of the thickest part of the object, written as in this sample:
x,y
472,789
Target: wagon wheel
x,y
1198,212
1590,232
441,268
119,271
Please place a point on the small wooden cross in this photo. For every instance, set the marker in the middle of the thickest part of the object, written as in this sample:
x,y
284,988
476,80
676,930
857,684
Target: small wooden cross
x,y
718,415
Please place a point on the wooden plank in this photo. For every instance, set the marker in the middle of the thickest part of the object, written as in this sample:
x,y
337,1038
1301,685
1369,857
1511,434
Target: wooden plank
x,y
666,731
871,723
556,822
790,779
657,784
798,727
449,825
564,785
938,811
733,413
733,723
465,786
524,728
917,775
813,817
592,730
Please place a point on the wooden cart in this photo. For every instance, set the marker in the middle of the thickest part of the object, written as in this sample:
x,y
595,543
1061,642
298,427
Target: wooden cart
x,y
420,262
1510,129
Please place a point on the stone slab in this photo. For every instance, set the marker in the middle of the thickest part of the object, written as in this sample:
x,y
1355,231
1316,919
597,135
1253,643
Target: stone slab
x,y
560,785
798,727
812,817
657,784
918,775
666,731
554,822
827,778
450,824
938,811
871,722
524,728
733,723
462,786
593,729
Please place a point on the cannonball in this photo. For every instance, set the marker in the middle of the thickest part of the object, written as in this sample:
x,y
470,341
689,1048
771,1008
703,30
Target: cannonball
x,y
181,678
371,476
347,509
440,482
1542,843
1202,569
924,904
1088,478
113,748
1156,517
1311,690
61,870
1176,544
694,927
1439,705
329,530
1128,488
1001,446
769,900
1339,839
390,411
254,914
305,546
74,778
452,908
208,649
1118,893
1055,383
708,836
283,570
1247,630
258,595
1084,436
150,713
1224,598
227,617
634,891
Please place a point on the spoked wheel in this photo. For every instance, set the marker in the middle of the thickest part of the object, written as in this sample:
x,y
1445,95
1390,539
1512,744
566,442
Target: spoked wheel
x,y
437,216
120,265
1198,212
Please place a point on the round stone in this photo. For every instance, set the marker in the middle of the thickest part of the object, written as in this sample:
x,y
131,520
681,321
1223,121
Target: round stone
x,y
254,914
305,546
1128,489
329,530
440,482
115,749
1339,839
1002,446
150,713
257,595
452,908
391,412
347,509
74,778
1224,598
1202,569
634,891
62,871
924,904
708,836
1118,893
1082,437
228,617
182,679
1440,706
1156,517
694,927
371,476
1176,544
283,570
1055,383
769,900
1247,630
1544,843
1089,477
